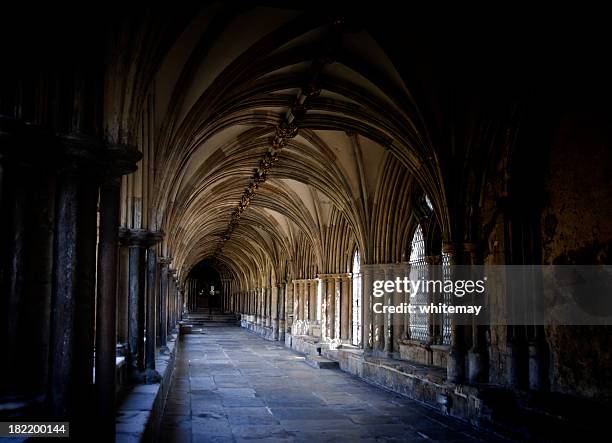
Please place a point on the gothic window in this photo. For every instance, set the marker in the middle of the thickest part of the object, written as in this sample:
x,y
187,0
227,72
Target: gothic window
x,y
418,270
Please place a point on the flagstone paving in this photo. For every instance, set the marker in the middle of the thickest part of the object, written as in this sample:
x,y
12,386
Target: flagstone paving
x,y
232,386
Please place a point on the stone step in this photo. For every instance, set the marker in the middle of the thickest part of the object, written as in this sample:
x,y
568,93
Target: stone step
x,y
318,362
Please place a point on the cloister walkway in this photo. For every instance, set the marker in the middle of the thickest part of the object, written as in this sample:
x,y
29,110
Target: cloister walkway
x,y
231,385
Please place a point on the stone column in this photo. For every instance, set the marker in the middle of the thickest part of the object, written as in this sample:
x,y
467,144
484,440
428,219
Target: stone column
x,y
73,290
312,302
274,309
123,285
106,340
345,303
366,307
406,298
388,273
378,323
337,302
300,300
151,375
397,320
289,300
434,321
280,288
459,254
268,293
330,309
163,304
136,305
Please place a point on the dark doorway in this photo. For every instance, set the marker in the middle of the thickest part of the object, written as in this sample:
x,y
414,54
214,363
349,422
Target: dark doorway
x,y
208,286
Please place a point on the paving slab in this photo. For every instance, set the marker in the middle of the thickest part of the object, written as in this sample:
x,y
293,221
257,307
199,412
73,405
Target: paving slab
x,y
230,385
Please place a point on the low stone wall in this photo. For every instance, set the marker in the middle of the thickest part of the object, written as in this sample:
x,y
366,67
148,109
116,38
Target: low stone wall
x,y
263,331
141,410
424,383
415,351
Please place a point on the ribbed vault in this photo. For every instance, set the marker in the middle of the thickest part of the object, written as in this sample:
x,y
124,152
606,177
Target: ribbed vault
x,y
344,179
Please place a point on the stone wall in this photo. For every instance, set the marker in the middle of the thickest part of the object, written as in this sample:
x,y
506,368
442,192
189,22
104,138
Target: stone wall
x,y
577,229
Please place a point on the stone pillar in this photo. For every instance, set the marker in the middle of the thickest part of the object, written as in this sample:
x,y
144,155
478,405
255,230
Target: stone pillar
x,y
406,298
388,273
349,283
330,308
123,285
269,308
378,323
435,320
345,302
280,288
300,300
136,305
163,304
397,320
106,340
151,375
312,302
337,302
289,300
366,308
274,309
459,254
73,295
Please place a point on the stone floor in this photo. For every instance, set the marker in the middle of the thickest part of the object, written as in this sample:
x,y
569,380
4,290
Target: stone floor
x,y
231,385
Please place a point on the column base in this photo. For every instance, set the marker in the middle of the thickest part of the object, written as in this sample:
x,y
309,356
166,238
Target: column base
x,y
164,350
151,376
476,368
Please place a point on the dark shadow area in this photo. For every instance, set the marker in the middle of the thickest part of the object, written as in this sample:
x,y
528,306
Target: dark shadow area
x,y
207,285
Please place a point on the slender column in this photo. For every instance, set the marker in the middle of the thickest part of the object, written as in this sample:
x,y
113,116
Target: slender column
x,y
105,386
123,288
163,304
345,303
312,303
289,300
281,311
274,308
460,254
300,300
366,307
136,306
397,320
330,305
151,375
269,306
378,327
387,318
406,299
337,305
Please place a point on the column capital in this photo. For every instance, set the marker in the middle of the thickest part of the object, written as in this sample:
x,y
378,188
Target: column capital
x,y
164,261
139,237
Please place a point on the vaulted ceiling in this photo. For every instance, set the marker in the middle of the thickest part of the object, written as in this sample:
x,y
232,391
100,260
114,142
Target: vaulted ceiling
x,y
224,90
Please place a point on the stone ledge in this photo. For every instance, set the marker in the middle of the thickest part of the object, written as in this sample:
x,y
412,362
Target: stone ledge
x,y
139,413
